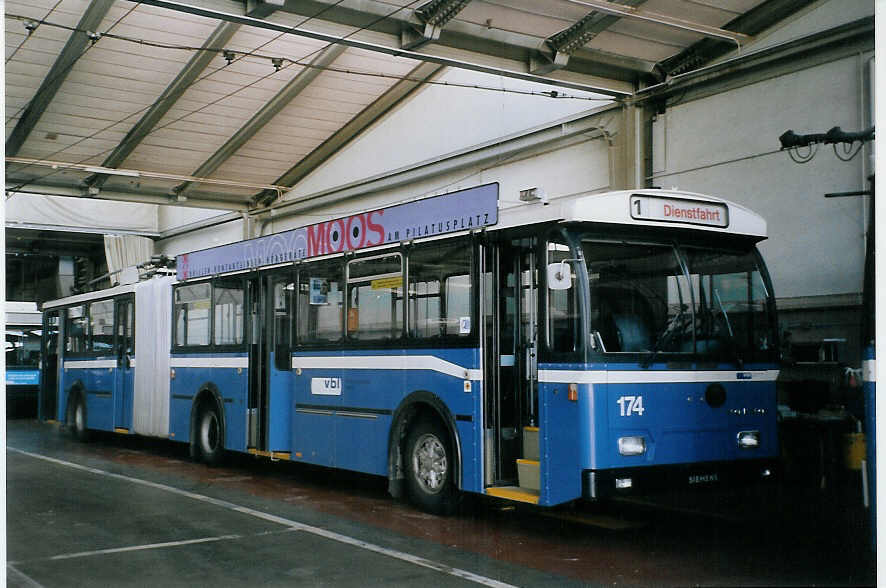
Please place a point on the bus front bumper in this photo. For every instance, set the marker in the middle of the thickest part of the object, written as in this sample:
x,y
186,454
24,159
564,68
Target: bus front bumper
x,y
599,484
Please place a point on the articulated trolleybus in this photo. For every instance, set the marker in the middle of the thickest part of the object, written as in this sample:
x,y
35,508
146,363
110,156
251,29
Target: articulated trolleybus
x,y
608,344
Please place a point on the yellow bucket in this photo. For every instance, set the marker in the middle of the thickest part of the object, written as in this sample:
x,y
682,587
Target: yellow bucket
x,y
853,450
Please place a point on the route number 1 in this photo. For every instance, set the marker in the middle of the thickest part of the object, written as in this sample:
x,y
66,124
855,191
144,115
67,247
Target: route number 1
x,y
629,405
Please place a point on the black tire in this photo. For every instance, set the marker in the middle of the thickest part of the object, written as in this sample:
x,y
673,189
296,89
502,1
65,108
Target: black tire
x,y
429,468
210,438
78,421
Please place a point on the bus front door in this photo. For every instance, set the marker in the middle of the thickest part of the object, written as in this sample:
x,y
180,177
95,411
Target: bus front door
x,y
270,309
511,317
124,344
49,366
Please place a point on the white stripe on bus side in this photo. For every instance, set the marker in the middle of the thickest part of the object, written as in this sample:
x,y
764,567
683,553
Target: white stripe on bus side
x,y
84,364
209,362
652,377
387,362
869,370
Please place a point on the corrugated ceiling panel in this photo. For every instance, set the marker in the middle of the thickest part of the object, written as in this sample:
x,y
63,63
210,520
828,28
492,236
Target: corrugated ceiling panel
x,y
523,16
633,46
105,93
289,136
211,111
35,54
707,13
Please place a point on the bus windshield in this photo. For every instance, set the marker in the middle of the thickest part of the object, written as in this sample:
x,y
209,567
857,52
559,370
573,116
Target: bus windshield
x,y
662,299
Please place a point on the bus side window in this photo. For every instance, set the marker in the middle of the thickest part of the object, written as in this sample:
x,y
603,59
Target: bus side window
x,y
192,305
76,330
375,298
227,304
440,291
101,325
320,302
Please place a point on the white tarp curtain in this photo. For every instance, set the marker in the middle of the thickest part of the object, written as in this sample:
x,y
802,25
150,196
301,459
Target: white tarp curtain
x,y
124,251
101,215
153,313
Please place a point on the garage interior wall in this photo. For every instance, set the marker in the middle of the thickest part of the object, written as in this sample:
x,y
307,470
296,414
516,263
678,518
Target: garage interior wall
x,y
726,143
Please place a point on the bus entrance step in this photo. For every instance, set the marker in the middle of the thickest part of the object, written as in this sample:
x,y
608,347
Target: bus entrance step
x,y
514,493
528,474
530,443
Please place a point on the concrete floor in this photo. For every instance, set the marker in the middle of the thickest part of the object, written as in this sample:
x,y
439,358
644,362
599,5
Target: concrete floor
x,y
127,511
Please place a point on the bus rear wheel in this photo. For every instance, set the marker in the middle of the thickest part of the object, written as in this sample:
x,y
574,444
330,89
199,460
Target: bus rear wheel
x,y
430,468
210,437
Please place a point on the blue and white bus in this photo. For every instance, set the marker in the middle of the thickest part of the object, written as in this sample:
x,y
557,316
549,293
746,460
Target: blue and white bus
x,y
601,345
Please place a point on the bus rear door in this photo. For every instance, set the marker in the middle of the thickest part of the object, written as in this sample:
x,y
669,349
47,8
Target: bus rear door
x,y
124,344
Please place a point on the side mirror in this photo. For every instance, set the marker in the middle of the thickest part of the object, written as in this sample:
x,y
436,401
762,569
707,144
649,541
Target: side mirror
x,y
559,276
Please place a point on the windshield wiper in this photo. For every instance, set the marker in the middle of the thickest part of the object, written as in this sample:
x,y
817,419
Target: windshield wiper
x,y
670,330
732,343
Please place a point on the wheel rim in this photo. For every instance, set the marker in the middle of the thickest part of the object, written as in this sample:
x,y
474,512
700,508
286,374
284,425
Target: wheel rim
x,y
429,463
78,417
209,432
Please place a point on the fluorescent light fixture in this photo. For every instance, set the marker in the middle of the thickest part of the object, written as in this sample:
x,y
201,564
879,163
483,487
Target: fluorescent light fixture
x,y
112,172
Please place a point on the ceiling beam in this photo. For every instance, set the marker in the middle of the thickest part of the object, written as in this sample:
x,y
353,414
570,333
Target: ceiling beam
x,y
752,22
432,17
267,112
619,84
77,44
555,51
812,50
220,37
354,127
663,19
215,201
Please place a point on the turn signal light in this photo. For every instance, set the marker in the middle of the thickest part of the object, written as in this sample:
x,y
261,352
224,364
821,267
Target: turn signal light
x,y
573,392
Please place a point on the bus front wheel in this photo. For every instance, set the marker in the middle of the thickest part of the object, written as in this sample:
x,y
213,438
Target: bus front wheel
x,y
78,420
210,438
429,468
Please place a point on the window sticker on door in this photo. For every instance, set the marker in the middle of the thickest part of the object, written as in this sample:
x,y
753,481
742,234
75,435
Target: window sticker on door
x,y
464,325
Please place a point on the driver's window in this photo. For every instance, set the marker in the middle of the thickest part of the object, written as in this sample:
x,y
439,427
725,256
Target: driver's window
x,y
562,307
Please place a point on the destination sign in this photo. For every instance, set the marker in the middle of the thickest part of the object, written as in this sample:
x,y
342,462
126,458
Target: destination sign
x,y
678,210
467,209
23,377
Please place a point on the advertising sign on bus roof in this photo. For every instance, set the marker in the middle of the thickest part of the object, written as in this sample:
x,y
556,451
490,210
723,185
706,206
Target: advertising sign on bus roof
x,y
457,211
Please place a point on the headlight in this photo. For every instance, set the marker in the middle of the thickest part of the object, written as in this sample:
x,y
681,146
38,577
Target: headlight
x,y
748,439
631,445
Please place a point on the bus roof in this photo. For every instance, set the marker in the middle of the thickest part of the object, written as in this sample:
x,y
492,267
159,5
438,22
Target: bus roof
x,y
87,296
649,207
22,313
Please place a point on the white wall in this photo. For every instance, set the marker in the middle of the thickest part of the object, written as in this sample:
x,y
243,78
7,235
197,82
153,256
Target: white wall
x,y
727,144
202,239
438,120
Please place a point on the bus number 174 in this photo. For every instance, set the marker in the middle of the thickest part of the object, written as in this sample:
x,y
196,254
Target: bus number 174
x,y
629,405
